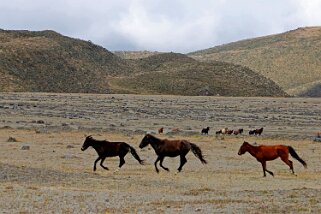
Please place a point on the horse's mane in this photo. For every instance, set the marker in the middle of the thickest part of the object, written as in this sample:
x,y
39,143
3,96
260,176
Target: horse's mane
x,y
153,137
93,140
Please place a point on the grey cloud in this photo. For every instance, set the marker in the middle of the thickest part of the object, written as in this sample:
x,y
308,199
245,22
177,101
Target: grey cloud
x,y
160,25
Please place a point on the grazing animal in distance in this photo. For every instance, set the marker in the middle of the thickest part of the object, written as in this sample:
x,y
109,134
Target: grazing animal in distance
x,y
229,132
176,130
171,148
239,131
222,131
256,131
161,130
264,153
205,130
106,149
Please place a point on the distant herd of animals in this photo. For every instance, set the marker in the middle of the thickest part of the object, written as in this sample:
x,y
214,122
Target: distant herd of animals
x,y
231,131
173,148
223,131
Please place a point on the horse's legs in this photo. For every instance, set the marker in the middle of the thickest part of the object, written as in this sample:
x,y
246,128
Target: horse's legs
x,y
158,159
264,169
288,162
122,155
263,166
183,161
96,163
121,161
291,166
101,163
161,163
285,158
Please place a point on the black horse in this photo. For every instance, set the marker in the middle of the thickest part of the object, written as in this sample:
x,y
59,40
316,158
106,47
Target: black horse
x,y
106,149
171,148
205,130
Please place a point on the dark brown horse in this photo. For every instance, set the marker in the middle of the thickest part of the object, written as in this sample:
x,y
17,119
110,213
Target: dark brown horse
x,y
161,130
256,131
106,149
264,153
229,132
171,148
238,131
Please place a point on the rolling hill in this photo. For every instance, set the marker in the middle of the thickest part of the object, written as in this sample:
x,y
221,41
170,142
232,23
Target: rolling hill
x,y
291,59
177,74
47,61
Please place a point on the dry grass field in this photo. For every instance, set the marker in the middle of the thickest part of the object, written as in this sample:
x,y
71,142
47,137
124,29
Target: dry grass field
x,y
55,176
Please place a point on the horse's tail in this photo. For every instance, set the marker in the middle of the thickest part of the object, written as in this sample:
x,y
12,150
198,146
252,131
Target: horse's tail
x,y
296,156
198,153
135,155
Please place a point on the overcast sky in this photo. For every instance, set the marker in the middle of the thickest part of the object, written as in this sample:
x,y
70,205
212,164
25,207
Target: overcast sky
x,y
160,25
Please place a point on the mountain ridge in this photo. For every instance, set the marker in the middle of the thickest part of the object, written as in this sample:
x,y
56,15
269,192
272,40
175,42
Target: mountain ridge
x,y
47,61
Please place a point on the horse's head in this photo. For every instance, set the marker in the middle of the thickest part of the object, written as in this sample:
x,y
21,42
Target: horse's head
x,y
243,148
145,141
87,143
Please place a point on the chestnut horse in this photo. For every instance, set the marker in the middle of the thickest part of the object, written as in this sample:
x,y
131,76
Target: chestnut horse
x,y
265,153
105,149
171,148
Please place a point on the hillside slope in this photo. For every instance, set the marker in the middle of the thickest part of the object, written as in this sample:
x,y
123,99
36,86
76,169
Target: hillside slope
x,y
291,59
49,62
135,54
177,74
